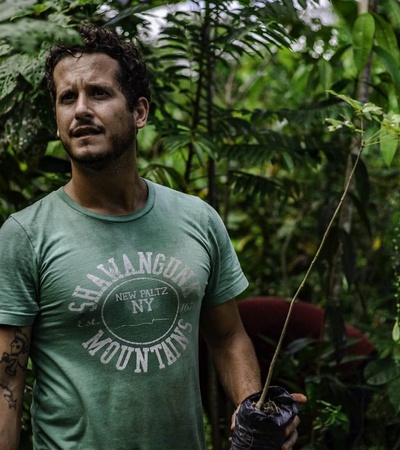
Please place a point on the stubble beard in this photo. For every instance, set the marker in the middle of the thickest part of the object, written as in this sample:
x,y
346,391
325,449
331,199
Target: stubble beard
x,y
98,161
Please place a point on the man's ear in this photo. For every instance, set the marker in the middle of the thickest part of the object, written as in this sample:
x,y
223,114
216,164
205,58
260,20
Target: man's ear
x,y
141,112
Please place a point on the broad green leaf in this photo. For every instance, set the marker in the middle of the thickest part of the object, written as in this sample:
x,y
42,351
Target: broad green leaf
x,y
12,8
7,103
38,9
386,38
28,35
7,85
32,68
371,109
388,144
381,371
325,74
355,104
393,100
394,8
288,161
363,36
9,66
396,331
390,63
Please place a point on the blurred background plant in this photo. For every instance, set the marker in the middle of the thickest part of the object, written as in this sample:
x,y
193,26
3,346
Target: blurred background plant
x,y
241,90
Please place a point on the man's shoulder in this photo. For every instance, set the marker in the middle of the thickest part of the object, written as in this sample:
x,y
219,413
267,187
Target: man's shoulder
x,y
187,207
178,197
32,211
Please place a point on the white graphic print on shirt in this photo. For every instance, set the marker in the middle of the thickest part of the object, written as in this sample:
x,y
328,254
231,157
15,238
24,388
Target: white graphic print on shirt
x,y
136,307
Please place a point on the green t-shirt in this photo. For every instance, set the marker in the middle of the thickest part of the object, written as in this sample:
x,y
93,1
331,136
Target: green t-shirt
x,y
114,302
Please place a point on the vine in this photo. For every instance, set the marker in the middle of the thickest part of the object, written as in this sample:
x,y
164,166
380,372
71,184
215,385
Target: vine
x,y
386,136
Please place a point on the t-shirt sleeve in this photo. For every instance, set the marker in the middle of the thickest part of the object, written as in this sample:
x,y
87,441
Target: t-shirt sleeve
x,y
18,281
227,279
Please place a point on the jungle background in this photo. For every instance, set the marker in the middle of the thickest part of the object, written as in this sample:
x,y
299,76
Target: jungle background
x,y
261,108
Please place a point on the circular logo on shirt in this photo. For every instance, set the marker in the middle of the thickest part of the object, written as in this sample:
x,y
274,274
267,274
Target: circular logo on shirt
x,y
140,311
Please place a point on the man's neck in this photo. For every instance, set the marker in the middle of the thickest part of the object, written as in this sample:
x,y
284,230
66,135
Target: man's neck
x,y
108,192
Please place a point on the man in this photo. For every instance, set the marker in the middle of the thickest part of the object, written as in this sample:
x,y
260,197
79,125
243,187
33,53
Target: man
x,y
109,277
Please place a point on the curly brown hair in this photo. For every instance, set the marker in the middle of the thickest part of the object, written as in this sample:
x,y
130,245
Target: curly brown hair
x,y
132,74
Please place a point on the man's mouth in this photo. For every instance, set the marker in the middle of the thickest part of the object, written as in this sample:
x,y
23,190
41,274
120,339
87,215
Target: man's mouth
x,y
85,131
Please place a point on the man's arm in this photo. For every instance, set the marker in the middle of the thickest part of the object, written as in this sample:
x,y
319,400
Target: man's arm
x,y
14,351
235,360
231,350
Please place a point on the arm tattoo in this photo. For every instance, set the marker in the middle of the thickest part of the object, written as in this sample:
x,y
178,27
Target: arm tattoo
x,y
8,395
18,349
14,360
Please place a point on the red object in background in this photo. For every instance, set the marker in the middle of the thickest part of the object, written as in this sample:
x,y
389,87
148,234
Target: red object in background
x,y
265,316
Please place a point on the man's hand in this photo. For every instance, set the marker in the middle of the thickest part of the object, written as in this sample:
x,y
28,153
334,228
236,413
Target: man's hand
x,y
291,434
290,431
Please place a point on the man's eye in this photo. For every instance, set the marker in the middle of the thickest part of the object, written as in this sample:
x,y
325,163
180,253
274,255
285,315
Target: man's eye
x,y
99,93
67,97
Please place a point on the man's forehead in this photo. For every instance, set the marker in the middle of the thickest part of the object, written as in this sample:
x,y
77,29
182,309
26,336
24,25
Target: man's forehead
x,y
87,66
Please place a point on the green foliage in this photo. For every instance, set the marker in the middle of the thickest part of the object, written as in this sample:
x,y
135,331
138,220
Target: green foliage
x,y
386,370
332,416
239,117
363,34
334,395
387,137
27,29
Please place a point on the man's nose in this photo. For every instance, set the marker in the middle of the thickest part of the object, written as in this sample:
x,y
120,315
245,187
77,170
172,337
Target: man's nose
x,y
83,107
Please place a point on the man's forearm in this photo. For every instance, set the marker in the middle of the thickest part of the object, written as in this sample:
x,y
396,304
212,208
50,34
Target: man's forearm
x,y
231,350
237,367
10,427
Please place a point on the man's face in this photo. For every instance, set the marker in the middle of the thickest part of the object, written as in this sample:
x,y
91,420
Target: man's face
x,y
94,123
